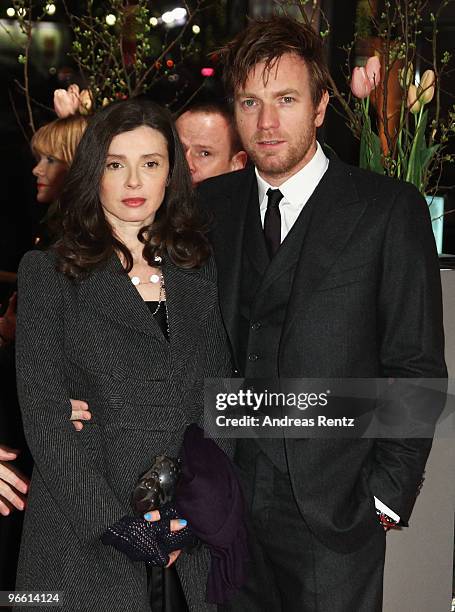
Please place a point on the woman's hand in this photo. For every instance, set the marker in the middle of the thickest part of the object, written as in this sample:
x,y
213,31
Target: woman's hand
x,y
79,412
12,483
175,524
8,321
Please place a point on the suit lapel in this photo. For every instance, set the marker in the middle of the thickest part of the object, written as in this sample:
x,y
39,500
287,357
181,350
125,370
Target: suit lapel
x,y
337,210
228,236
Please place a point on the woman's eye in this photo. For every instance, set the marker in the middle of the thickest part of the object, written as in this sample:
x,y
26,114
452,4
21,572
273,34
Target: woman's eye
x,y
152,164
50,159
113,165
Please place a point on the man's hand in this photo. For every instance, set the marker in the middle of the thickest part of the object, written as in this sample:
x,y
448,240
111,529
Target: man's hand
x,y
8,321
176,525
13,484
79,412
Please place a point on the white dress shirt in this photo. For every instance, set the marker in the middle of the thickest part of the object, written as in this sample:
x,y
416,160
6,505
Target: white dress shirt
x,y
296,191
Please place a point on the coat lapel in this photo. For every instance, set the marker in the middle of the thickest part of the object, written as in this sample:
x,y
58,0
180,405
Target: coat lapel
x,y
337,211
110,291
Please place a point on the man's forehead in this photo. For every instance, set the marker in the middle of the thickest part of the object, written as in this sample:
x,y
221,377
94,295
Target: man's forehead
x,y
268,70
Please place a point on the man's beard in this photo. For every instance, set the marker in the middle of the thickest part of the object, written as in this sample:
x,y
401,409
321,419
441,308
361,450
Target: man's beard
x,y
282,163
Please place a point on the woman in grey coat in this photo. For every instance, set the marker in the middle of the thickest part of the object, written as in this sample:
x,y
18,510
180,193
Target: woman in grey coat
x,y
122,312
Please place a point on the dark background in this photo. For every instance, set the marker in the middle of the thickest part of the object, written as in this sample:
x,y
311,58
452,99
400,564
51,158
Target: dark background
x,y
19,212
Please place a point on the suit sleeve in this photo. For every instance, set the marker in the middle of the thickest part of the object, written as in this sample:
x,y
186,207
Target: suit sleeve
x,y
411,340
81,492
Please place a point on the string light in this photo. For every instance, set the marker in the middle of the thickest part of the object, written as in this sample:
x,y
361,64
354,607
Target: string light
x,y
196,29
111,19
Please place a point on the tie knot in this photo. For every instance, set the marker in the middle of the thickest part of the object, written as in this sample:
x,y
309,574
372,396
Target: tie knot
x,y
274,198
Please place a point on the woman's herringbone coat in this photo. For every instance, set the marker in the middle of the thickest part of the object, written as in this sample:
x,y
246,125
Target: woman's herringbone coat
x,y
96,340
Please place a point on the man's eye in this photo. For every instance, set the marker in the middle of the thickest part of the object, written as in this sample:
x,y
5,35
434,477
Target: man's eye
x,y
248,103
204,153
288,99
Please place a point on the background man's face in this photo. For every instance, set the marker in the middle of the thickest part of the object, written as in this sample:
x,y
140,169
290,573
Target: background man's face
x,y
206,140
277,121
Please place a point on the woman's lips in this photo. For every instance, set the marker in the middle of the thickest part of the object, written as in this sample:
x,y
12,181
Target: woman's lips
x,y
133,202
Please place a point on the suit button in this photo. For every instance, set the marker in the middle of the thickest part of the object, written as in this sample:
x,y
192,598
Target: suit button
x,y
256,325
253,357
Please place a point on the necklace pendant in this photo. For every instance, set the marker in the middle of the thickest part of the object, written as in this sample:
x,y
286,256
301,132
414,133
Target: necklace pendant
x,y
154,279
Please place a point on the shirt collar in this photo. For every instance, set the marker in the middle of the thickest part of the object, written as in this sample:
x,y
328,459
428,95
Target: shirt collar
x,y
299,187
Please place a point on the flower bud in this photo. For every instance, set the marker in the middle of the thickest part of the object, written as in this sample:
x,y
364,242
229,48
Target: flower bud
x,y
426,88
373,70
85,102
360,83
66,103
406,75
413,101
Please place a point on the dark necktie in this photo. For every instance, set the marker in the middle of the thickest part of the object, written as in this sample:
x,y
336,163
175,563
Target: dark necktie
x,y
272,222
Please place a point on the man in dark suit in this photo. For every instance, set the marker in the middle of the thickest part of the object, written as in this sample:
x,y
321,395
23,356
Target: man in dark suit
x,y
328,271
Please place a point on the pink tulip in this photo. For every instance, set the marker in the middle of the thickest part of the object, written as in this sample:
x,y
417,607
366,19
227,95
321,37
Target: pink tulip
x,y
66,103
365,79
373,70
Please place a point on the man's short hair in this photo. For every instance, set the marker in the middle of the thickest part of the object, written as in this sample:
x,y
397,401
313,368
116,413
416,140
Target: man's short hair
x,y
218,108
266,40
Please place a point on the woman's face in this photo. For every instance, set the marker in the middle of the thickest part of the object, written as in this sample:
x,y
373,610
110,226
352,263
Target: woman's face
x,y
135,176
50,173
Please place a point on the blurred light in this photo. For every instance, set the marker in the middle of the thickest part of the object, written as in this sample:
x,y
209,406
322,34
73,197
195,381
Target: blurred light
x,y
173,78
21,12
179,14
111,19
167,17
169,63
196,29
175,17
207,72
153,21
52,70
10,11
50,9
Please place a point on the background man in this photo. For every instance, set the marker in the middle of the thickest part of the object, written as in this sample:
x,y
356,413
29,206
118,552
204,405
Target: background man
x,y
324,271
210,140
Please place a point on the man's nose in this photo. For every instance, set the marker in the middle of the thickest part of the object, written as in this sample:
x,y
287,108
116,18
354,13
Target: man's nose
x,y
268,117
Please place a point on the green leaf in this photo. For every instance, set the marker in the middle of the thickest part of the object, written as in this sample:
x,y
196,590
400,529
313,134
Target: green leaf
x,y
370,149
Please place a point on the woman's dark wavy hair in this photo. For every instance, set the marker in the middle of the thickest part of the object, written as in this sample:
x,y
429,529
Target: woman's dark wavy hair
x,y
87,240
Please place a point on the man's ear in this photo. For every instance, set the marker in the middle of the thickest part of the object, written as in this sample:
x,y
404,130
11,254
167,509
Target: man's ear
x,y
238,161
321,108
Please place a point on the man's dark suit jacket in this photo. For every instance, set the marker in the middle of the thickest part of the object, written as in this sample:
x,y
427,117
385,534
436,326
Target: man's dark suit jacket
x,y
366,302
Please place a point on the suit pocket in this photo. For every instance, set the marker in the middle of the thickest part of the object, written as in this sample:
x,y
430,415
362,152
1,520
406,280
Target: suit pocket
x,y
349,276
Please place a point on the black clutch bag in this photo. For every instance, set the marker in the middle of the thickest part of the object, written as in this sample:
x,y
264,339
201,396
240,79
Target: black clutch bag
x,y
156,486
